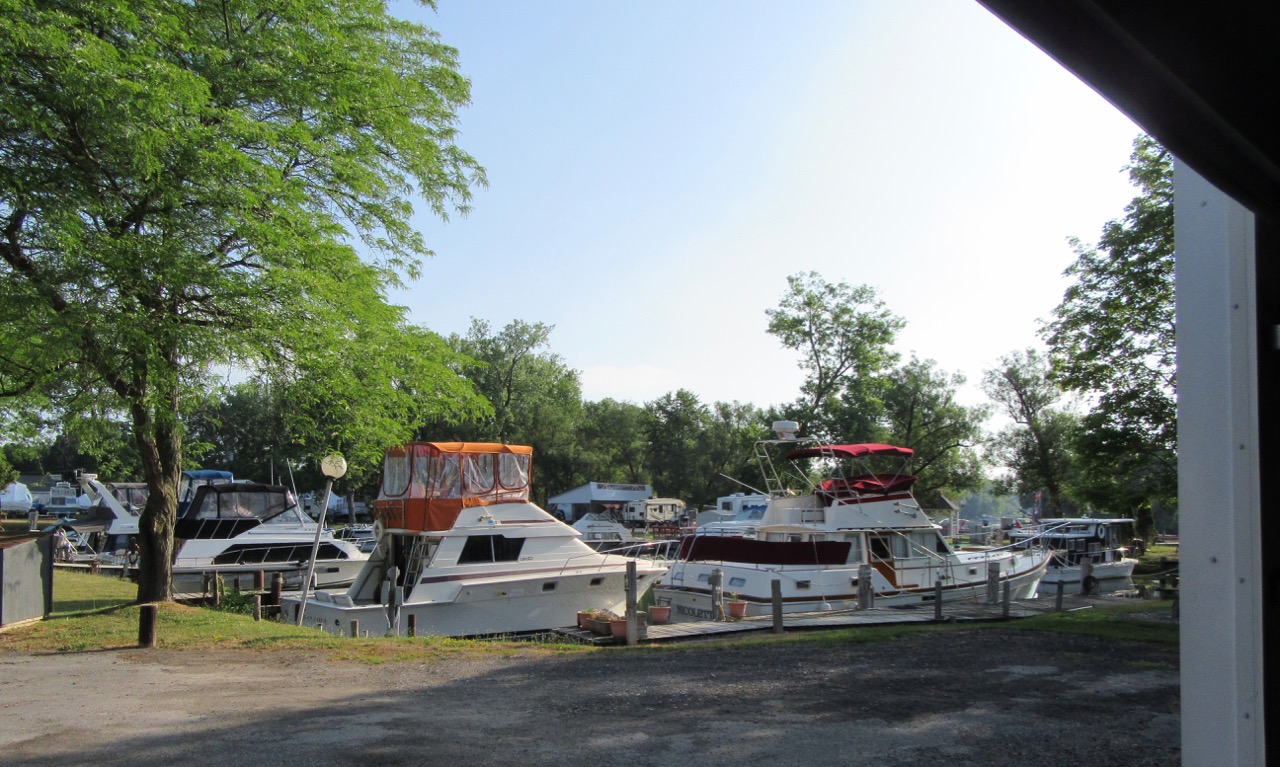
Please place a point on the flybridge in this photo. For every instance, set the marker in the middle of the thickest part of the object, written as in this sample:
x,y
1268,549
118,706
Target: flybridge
x,y
426,485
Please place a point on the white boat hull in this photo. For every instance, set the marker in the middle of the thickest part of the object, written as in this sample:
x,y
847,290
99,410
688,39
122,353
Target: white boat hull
x,y
1103,571
480,605
833,588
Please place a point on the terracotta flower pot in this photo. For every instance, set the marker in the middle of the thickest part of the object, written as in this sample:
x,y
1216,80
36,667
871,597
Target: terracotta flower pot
x,y
736,609
584,620
660,614
619,627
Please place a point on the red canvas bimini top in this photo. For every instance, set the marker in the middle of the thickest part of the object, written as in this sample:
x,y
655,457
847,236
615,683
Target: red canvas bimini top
x,y
850,451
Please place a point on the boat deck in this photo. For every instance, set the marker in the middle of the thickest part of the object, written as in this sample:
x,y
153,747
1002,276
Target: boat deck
x,y
953,612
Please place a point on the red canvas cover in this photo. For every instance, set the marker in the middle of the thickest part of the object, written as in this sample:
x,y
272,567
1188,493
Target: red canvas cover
x,y
850,451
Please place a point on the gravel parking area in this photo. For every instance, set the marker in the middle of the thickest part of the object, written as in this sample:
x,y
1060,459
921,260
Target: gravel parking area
x,y
994,698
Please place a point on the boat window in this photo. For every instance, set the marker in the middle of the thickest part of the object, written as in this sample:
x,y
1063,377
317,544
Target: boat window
x,y
490,548
803,584
447,479
597,581
513,471
478,473
395,476
736,582
855,548
880,547
549,586
704,577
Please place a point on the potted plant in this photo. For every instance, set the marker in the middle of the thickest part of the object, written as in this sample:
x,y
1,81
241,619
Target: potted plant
x,y
599,622
736,606
659,614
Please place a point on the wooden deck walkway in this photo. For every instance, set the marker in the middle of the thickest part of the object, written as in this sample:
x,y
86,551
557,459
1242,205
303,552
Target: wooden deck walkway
x,y
952,612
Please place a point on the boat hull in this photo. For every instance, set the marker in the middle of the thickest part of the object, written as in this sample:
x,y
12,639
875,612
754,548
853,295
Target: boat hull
x,y
480,605
831,588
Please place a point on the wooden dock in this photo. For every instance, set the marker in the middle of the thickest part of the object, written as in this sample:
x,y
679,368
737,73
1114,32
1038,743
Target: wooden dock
x,y
952,612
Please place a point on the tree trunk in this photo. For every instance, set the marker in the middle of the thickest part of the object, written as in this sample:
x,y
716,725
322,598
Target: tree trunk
x,y
160,447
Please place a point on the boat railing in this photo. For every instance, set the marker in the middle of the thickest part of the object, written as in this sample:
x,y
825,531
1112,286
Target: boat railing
x,y
659,551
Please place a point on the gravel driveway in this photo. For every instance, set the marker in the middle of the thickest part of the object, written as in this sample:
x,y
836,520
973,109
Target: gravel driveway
x,y
989,698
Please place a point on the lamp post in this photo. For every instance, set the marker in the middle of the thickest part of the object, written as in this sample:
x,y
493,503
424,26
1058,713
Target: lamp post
x,y
332,466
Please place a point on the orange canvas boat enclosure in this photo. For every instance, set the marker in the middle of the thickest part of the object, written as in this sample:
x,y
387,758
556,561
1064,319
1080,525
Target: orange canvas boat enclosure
x,y
425,485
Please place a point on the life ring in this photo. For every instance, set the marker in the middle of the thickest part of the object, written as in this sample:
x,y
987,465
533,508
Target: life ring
x,y
1090,585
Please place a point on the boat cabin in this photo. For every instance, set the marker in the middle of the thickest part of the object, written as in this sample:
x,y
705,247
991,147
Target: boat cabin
x,y
426,485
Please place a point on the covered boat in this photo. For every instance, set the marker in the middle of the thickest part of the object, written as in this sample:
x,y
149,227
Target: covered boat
x,y
462,550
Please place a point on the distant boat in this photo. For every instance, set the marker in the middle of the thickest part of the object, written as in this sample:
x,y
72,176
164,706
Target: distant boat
x,y
1102,543
228,529
16,500
463,552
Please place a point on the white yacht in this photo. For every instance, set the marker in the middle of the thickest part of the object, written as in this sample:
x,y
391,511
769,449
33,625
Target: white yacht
x,y
463,552
233,529
826,539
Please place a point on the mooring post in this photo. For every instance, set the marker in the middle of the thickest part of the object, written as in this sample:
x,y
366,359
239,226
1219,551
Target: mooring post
x,y
257,607
147,625
715,581
937,599
866,594
1004,610
1086,577
413,625
993,582
1057,606
277,587
355,629
775,594
259,580
633,625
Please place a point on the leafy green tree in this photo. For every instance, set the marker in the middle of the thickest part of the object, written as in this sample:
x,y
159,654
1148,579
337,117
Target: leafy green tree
x,y
611,443
731,434
678,462
844,335
1112,338
921,412
536,397
183,186
1037,447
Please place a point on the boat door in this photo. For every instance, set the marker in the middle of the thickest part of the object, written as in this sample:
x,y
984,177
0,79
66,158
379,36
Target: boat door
x,y
880,548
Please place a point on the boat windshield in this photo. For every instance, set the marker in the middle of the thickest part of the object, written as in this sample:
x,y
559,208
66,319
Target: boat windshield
x,y
232,502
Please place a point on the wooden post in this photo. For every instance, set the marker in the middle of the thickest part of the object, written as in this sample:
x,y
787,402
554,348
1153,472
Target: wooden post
x,y
993,582
716,582
1004,609
218,585
355,629
866,594
147,625
259,580
257,607
413,625
776,596
277,587
1086,577
937,599
633,628
1058,601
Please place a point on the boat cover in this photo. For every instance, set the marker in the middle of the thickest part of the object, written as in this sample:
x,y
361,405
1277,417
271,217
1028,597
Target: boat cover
x,y
426,485
860,450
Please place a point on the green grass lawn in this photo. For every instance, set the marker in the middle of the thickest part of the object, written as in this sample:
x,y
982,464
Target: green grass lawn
x,y
93,612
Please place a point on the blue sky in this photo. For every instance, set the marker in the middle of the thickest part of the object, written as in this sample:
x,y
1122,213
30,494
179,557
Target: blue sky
x,y
657,170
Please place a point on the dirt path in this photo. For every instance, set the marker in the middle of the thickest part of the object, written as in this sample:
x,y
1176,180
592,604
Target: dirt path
x,y
994,698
